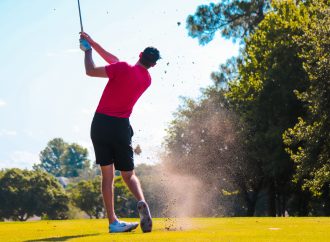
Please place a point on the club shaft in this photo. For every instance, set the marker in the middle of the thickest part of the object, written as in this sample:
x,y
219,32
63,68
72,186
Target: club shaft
x,y
81,25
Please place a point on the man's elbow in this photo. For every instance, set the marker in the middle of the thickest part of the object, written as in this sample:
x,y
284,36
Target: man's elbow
x,y
90,72
96,72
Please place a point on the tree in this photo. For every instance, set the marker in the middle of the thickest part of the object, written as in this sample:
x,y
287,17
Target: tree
x,y
62,159
75,160
281,70
26,193
227,73
233,18
309,139
51,157
270,72
49,197
15,195
87,196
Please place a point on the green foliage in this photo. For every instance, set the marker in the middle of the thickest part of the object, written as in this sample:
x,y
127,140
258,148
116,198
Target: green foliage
x,y
309,139
15,195
281,76
62,159
2,172
26,193
49,195
125,203
51,156
75,160
227,73
263,94
270,72
233,18
74,212
87,196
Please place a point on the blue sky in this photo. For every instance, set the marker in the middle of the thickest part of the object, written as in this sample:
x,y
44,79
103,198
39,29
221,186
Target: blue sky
x,y
44,92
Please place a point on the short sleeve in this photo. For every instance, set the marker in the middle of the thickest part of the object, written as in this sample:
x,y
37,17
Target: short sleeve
x,y
110,70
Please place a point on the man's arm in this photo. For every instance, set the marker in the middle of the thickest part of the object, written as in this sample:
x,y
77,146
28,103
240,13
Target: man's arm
x,y
90,68
108,57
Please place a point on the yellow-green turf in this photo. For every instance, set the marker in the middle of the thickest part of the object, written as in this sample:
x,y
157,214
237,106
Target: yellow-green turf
x,y
197,229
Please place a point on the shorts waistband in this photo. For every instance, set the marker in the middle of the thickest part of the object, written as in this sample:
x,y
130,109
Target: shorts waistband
x,y
104,116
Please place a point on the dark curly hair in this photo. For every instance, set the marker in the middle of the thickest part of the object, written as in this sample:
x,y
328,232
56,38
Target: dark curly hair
x,y
149,57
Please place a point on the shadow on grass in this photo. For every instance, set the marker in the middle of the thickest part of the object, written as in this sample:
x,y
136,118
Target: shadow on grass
x,y
63,238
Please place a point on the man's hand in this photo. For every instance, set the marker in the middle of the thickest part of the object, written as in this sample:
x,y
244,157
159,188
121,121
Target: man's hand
x,y
85,36
108,57
84,45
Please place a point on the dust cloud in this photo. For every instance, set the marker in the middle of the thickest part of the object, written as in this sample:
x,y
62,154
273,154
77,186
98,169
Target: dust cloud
x,y
195,169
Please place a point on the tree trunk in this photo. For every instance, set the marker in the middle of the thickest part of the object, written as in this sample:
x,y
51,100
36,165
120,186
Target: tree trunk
x,y
326,199
271,199
303,204
279,204
251,199
283,205
251,207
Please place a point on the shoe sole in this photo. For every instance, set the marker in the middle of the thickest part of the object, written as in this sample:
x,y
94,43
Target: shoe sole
x,y
146,221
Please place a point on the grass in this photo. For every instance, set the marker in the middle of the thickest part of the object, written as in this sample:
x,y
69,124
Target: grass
x,y
197,229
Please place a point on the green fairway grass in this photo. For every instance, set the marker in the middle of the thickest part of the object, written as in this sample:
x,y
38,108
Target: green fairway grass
x,y
197,229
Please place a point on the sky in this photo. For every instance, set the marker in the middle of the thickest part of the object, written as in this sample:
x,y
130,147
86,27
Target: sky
x,y
45,94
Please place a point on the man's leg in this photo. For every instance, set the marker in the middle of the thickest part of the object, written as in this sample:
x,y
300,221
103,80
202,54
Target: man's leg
x,y
133,184
108,197
107,191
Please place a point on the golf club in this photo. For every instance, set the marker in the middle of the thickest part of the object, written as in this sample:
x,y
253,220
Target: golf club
x,y
81,25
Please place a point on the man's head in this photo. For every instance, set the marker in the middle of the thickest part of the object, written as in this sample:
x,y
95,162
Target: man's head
x,y
149,57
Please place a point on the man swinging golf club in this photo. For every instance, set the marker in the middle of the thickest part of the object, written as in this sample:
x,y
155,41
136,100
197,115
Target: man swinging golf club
x,y
111,132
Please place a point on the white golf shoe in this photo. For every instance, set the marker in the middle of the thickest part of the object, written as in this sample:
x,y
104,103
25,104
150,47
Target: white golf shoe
x,y
121,226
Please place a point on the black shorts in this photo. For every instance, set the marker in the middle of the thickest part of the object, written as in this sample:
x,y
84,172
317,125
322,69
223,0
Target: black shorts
x,y
112,141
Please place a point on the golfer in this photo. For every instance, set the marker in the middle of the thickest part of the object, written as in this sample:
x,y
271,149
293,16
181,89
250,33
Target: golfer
x,y
111,132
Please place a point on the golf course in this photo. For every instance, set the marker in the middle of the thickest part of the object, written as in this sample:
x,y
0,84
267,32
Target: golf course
x,y
197,229
165,121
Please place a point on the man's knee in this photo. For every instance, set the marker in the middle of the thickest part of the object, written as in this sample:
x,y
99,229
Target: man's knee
x,y
127,175
107,173
107,179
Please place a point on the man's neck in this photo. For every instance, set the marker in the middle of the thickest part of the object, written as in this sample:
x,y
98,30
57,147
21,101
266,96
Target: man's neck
x,y
140,64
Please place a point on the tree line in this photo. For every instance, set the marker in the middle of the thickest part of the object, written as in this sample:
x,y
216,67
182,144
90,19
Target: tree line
x,y
260,135
258,139
61,186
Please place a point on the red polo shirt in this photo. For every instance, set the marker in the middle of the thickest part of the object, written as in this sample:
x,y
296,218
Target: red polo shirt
x,y
126,84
